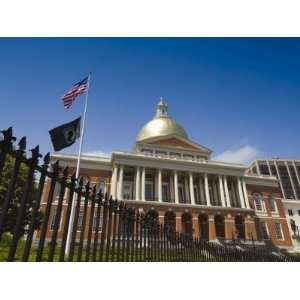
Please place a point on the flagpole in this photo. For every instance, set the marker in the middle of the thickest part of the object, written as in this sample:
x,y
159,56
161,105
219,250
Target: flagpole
x,y
72,215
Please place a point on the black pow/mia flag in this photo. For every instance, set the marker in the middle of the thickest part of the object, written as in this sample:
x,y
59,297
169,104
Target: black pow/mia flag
x,y
65,135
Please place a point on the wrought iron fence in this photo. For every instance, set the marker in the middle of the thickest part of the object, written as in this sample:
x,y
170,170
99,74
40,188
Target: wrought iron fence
x,y
103,229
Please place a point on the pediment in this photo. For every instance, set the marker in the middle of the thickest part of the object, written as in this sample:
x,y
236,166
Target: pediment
x,y
178,143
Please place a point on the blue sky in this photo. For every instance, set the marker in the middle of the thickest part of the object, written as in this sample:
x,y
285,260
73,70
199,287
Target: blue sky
x,y
239,97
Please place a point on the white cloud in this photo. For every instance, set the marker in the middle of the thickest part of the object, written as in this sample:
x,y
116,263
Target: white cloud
x,y
97,153
242,155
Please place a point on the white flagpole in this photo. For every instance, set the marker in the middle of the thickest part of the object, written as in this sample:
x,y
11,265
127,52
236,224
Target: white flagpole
x,y
72,215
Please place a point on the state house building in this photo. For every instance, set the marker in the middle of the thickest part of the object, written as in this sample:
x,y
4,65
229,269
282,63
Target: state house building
x,y
173,178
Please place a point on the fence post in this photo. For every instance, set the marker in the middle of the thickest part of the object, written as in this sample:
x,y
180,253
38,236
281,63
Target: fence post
x,y
44,226
85,207
96,232
75,223
67,218
103,232
58,214
91,222
21,211
115,224
36,207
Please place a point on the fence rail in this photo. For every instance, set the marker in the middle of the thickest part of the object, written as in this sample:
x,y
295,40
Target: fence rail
x,y
104,229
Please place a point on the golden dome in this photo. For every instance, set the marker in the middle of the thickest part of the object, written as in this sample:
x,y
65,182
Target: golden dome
x,y
161,125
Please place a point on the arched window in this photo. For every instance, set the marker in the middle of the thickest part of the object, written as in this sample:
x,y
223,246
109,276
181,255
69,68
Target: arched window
x,y
258,202
272,203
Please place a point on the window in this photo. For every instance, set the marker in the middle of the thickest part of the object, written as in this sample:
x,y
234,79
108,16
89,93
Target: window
x,y
161,154
272,203
175,155
278,231
290,212
264,231
149,191
127,190
298,212
188,157
196,194
258,202
181,193
165,192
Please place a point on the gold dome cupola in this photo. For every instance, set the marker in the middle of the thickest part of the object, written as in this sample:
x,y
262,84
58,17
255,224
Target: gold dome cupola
x,y
161,125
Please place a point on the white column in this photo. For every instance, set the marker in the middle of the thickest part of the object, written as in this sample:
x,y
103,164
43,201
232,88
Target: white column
x,y
192,194
226,191
159,186
137,183
171,188
202,196
296,172
176,187
113,188
269,167
241,193
257,167
206,190
279,179
143,183
291,180
221,191
245,193
120,184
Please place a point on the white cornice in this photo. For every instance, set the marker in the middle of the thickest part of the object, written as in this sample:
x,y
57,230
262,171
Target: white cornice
x,y
211,167
269,181
87,162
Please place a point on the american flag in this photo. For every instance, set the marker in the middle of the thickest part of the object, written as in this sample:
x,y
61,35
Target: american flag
x,y
76,90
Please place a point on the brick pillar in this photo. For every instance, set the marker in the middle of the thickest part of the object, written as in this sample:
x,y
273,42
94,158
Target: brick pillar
x,y
250,230
178,222
211,228
195,226
229,227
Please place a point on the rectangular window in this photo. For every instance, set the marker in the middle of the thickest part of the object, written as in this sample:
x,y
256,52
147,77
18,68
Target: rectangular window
x,y
264,231
264,170
127,190
175,155
165,192
290,212
196,194
149,191
278,231
272,204
181,193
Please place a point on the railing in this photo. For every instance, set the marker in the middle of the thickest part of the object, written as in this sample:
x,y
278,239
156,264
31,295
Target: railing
x,y
109,230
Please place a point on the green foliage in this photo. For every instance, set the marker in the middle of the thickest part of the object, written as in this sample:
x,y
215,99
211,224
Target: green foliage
x,y
5,179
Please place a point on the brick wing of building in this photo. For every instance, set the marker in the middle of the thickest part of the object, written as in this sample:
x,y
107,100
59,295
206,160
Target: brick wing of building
x,y
174,179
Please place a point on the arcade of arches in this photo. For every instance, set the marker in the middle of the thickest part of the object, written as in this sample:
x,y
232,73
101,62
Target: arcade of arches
x,y
207,225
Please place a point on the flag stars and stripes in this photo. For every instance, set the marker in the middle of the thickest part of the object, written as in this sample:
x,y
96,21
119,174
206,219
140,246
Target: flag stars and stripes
x,y
76,90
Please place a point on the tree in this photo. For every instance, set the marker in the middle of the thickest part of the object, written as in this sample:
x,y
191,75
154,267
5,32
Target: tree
x,y
5,179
